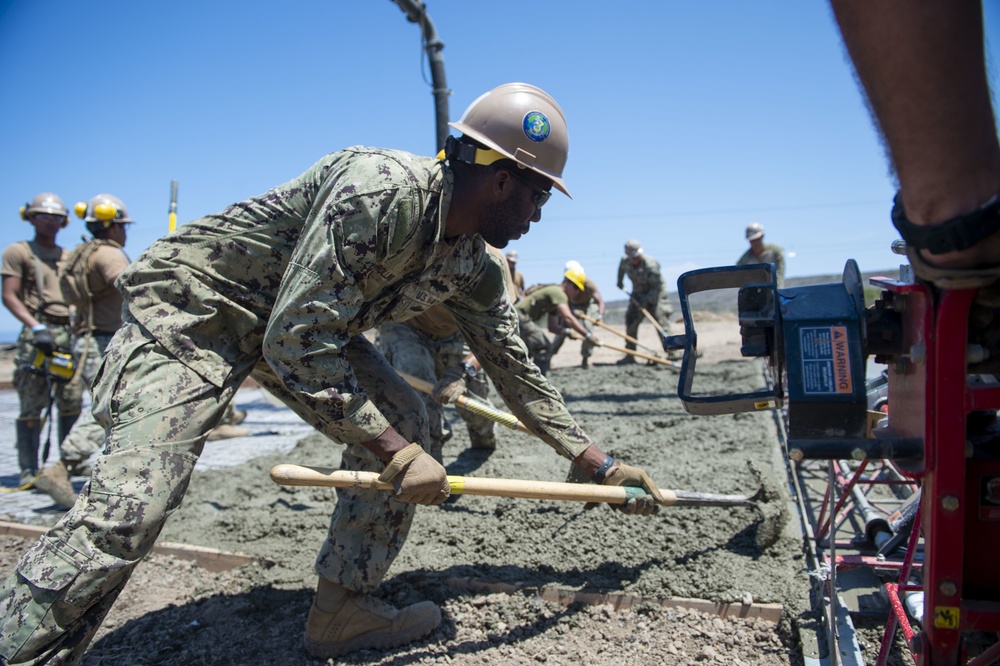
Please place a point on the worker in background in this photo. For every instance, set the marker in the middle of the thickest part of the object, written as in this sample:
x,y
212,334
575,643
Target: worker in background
x,y
283,287
649,293
88,285
31,293
760,252
587,300
515,275
430,347
923,71
551,301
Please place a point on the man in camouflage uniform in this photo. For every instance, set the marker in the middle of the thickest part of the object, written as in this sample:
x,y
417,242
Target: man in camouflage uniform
x,y
649,292
96,319
516,275
760,252
585,298
550,301
430,347
31,293
282,287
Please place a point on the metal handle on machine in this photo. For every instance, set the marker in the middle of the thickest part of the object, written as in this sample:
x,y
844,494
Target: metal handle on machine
x,y
709,279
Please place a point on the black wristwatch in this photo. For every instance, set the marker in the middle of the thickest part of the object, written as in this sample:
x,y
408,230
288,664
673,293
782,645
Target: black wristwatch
x,y
470,370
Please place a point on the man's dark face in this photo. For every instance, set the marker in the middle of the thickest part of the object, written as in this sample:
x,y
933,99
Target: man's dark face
x,y
504,222
510,218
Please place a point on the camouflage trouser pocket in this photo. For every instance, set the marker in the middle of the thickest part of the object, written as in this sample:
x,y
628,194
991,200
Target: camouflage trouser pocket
x,y
58,602
33,616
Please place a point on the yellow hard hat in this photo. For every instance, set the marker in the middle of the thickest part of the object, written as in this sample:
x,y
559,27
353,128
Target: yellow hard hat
x,y
577,277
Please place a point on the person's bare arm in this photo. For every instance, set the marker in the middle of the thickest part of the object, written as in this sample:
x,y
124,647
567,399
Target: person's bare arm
x,y
923,70
11,301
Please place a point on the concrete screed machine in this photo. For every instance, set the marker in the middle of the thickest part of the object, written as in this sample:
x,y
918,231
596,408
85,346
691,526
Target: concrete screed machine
x,y
934,430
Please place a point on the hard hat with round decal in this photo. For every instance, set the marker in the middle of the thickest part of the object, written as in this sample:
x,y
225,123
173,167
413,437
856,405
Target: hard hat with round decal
x,y
522,123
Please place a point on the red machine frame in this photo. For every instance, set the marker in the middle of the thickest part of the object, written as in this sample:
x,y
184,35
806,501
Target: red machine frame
x,y
931,397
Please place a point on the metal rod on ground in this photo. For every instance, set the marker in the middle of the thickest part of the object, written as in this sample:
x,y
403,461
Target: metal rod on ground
x,y
631,352
469,405
597,322
298,475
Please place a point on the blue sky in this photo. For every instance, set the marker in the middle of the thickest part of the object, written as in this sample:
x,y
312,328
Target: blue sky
x,y
687,120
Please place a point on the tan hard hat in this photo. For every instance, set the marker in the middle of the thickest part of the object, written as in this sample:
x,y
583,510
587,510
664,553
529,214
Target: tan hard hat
x,y
104,209
755,230
522,123
46,202
632,248
577,277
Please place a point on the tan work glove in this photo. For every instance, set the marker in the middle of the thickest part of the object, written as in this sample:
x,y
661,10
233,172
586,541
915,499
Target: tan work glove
x,y
418,478
591,339
626,475
450,386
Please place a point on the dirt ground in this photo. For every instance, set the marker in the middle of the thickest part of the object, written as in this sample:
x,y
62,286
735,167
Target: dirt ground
x,y
515,578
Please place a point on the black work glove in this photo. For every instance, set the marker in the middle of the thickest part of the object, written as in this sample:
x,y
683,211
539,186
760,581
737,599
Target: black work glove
x,y
43,340
418,478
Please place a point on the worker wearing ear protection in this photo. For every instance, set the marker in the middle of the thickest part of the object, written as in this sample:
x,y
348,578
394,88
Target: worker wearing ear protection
x,y
87,282
31,293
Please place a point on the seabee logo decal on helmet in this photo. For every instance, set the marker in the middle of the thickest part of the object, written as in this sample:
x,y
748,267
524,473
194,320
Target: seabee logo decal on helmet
x,y
536,126
519,122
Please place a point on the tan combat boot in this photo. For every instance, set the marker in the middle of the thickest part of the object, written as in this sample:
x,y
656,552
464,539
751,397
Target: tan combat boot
x,y
54,482
341,621
226,431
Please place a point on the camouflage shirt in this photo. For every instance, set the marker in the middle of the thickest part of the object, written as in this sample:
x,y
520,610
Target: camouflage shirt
x,y
772,254
646,278
294,273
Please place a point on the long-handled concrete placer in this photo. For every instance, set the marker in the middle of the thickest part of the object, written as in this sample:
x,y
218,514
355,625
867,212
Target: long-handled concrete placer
x,y
631,352
628,338
469,405
287,474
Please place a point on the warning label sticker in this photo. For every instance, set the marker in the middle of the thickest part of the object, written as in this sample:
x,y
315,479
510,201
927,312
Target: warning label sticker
x,y
826,361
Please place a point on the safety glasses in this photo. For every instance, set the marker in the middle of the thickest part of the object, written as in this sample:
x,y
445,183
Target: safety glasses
x,y
540,196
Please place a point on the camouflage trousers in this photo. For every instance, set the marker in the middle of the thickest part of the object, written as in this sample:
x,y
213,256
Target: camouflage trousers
x,y
87,435
157,413
412,352
586,350
658,305
33,389
538,344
